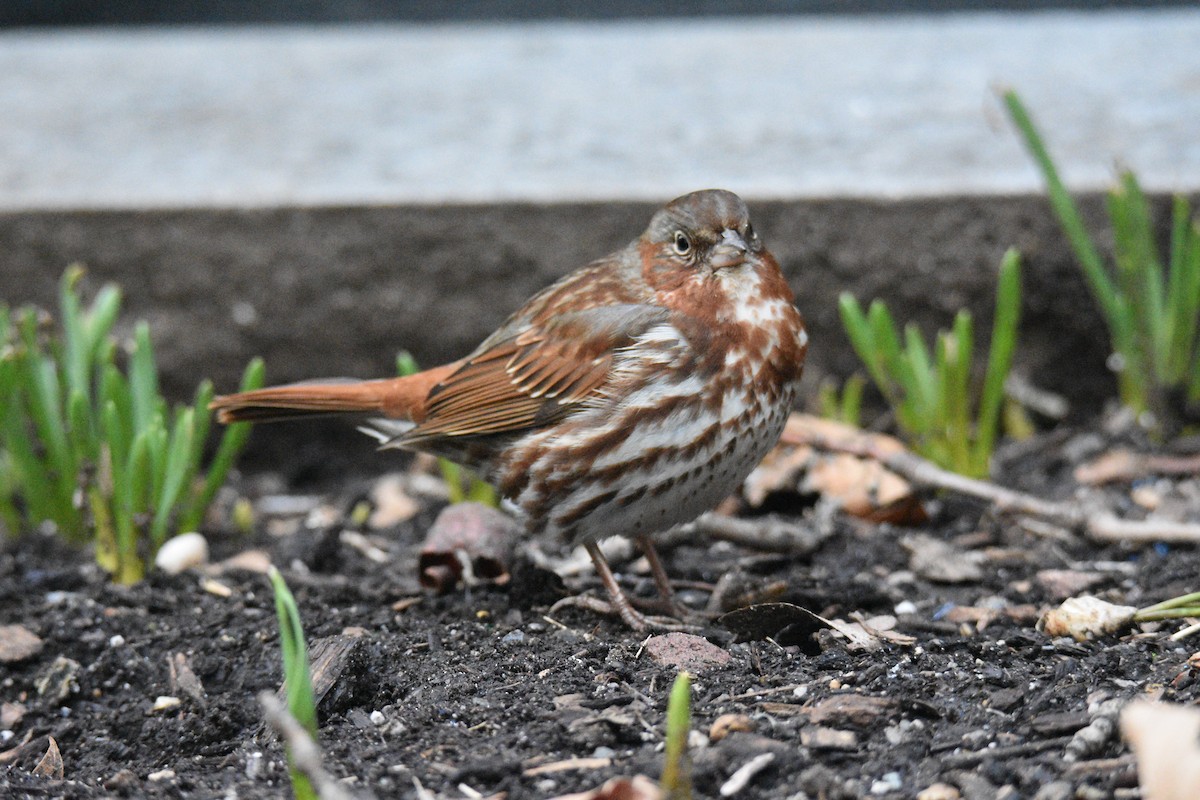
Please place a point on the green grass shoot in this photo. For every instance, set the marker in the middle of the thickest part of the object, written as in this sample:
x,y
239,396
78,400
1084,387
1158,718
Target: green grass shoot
x,y
93,449
930,391
1151,304
1183,607
677,769
845,405
461,483
296,675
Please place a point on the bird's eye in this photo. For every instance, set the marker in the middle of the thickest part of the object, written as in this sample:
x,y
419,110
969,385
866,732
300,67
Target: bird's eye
x,y
683,245
749,232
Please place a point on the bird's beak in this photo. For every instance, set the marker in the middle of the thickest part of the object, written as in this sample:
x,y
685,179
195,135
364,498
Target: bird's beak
x,y
729,252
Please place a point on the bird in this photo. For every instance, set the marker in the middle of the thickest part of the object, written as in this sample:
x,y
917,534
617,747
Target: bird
x,y
627,398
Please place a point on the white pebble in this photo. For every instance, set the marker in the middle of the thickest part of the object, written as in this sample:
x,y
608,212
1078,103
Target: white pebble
x,y
377,718
905,607
164,702
161,775
182,552
116,640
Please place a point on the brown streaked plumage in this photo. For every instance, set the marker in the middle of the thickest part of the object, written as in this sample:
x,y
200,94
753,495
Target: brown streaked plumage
x,y
629,397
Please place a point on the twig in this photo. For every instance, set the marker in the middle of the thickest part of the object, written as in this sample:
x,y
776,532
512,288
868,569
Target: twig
x,y
766,533
306,756
1101,526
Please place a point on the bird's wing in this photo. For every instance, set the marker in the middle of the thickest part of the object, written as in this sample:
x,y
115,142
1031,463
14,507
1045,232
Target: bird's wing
x,y
533,376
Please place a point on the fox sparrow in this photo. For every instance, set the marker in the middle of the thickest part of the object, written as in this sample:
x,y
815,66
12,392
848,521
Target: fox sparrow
x,y
629,397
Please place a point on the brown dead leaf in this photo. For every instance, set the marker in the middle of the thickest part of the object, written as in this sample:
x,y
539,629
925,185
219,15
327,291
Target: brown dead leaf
x,y
51,765
470,542
863,487
1166,740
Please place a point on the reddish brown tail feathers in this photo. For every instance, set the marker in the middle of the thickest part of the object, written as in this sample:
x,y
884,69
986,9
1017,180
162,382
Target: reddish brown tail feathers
x,y
397,398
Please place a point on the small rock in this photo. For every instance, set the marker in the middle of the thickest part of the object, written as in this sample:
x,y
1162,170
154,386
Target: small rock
x,y
514,637
121,781
939,791
165,703
18,643
888,782
821,738
182,552
117,640
11,714
215,587
685,651
161,775
377,718
729,723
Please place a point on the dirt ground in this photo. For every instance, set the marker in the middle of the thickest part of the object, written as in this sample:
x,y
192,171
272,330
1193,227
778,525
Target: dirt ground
x,y
482,691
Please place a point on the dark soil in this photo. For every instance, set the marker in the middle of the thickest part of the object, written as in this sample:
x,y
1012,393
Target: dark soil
x,y
473,689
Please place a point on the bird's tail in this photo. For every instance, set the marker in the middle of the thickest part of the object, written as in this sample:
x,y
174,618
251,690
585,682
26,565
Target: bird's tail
x,y
394,398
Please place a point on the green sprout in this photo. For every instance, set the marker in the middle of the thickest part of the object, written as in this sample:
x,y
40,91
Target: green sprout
x,y
677,774
1182,607
463,485
92,450
845,405
1152,310
930,394
296,676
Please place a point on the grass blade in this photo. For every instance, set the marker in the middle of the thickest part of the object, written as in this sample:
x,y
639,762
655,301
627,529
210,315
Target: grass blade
x,y
676,776
1000,356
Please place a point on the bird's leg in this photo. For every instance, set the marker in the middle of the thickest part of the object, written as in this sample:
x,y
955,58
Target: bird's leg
x,y
660,578
632,617
619,602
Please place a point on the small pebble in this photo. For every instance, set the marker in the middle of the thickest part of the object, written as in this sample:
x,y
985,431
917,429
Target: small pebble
x,y
161,775
121,781
165,702
889,782
604,752
905,607
377,718
182,552
729,723
939,791
514,637
116,641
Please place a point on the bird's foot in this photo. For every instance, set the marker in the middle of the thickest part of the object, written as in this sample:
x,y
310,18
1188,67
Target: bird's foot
x,y
629,615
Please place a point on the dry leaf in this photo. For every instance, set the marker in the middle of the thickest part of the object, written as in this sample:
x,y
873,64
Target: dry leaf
x,y
51,765
470,542
863,487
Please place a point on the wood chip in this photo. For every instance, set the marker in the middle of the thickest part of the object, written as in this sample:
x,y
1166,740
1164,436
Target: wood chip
x,y
861,710
568,765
